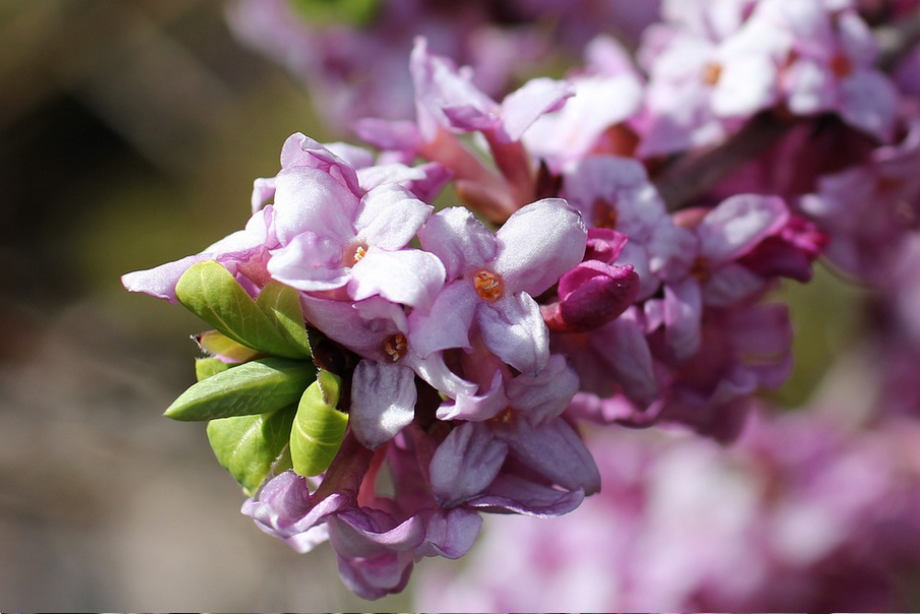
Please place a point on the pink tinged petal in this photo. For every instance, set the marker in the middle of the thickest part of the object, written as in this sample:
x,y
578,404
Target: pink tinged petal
x,y
465,463
424,181
618,409
554,451
545,395
599,103
433,370
440,85
358,533
382,401
682,317
401,136
747,84
512,327
467,118
263,191
301,151
605,187
447,323
539,243
623,346
160,282
511,493
738,224
356,157
460,240
856,38
476,407
730,284
354,325
310,263
309,200
636,256
390,216
869,102
451,533
235,249
524,106
408,276
671,251
810,88
374,577
284,509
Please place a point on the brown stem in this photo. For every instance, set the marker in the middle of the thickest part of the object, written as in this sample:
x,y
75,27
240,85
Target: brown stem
x,y
694,174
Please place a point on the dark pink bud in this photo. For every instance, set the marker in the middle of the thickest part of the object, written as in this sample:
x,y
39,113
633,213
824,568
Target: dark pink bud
x,y
788,253
590,295
604,244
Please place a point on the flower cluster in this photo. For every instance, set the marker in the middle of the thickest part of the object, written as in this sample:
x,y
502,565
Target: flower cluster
x,y
611,263
791,515
350,54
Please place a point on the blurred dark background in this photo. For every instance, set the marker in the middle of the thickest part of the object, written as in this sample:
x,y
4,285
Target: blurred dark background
x,y
130,133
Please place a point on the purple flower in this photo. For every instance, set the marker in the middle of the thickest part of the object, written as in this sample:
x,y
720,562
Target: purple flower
x,y
492,280
333,235
244,253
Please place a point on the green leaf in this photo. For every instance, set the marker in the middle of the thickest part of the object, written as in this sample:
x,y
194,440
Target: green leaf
x,y
206,367
214,342
209,291
318,428
321,13
248,446
255,387
282,304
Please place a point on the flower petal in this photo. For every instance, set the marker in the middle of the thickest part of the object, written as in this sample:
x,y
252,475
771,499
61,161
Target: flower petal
x,y
740,222
524,106
465,463
390,216
539,243
545,395
513,328
408,276
555,452
310,263
307,199
447,323
683,310
511,493
382,401
460,240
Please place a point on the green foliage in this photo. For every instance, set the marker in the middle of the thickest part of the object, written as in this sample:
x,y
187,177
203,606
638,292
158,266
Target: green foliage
x,y
268,325
248,446
320,13
256,387
318,428
206,367
217,343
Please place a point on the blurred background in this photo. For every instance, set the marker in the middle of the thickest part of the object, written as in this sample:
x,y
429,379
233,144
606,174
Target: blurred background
x,y
130,134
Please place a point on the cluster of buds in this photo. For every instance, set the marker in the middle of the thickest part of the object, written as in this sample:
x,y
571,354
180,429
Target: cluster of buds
x,y
382,371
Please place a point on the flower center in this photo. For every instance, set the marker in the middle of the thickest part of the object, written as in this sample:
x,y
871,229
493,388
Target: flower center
x,y
354,253
604,214
712,71
505,416
841,66
700,270
488,285
396,346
